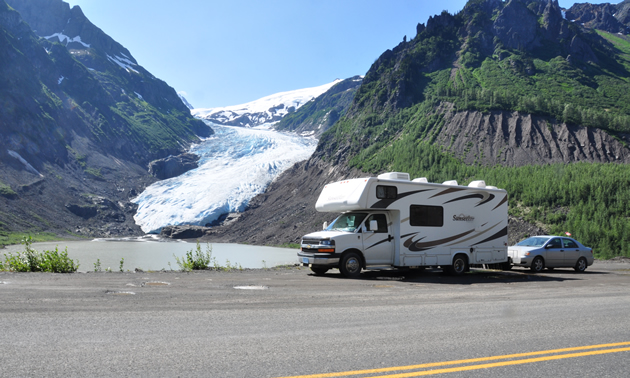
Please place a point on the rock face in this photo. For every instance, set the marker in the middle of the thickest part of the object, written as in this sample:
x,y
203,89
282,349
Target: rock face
x,y
513,139
173,166
183,232
516,35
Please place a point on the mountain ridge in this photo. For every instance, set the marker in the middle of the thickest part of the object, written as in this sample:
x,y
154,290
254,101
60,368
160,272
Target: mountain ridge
x,y
265,110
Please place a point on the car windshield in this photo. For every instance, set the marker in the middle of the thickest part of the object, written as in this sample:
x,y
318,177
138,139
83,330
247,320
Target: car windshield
x,y
533,242
347,222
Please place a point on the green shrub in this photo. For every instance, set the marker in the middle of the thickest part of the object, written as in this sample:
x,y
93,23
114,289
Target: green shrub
x,y
197,261
33,261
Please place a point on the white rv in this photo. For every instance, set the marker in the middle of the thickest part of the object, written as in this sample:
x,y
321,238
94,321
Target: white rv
x,y
392,221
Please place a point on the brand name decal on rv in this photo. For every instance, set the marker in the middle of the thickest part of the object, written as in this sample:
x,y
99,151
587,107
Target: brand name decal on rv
x,y
463,218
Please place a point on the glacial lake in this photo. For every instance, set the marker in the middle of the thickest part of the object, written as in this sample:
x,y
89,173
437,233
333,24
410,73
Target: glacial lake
x,y
151,254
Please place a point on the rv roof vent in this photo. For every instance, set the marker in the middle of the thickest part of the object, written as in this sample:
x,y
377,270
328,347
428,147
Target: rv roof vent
x,y
394,176
451,182
477,184
420,179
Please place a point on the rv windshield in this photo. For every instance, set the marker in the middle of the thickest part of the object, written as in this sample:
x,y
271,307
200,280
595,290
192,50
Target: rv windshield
x,y
347,222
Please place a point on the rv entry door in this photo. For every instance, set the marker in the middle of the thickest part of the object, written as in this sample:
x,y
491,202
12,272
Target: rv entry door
x,y
378,243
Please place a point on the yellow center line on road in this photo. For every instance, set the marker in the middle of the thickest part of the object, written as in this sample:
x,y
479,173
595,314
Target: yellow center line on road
x,y
474,360
504,363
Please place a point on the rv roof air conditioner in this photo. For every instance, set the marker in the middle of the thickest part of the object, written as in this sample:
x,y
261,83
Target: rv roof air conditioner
x,y
420,179
451,183
477,184
394,176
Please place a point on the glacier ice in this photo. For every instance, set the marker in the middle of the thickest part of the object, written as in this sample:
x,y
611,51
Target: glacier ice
x,y
235,165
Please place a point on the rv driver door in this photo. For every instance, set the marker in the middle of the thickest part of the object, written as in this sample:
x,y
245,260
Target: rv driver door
x,y
378,244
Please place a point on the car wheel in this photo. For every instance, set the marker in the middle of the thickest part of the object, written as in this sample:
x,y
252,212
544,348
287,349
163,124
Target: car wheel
x,y
319,271
507,265
580,265
350,265
460,265
538,264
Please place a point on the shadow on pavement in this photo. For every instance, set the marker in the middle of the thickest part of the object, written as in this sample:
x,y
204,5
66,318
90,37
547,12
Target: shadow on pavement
x,y
475,276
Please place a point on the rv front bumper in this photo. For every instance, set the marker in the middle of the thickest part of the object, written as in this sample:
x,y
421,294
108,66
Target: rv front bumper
x,y
324,259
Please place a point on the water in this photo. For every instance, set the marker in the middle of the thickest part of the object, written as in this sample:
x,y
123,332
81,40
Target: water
x,y
150,254
235,165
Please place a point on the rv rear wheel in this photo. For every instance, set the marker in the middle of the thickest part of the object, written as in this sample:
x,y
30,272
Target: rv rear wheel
x,y
319,271
460,265
350,265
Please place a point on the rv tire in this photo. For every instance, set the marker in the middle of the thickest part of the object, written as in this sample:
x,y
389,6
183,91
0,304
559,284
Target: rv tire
x,y
460,265
350,265
319,270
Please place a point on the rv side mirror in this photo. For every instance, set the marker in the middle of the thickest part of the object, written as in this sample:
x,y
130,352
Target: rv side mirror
x,y
325,225
373,225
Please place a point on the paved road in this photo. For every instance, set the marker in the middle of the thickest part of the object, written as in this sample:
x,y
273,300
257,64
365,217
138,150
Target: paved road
x,y
286,322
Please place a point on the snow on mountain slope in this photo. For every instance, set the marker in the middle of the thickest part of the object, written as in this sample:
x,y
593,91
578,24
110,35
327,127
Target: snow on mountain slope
x,y
235,165
269,109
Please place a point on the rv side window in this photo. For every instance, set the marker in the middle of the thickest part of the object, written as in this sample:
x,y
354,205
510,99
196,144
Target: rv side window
x,y
426,216
386,192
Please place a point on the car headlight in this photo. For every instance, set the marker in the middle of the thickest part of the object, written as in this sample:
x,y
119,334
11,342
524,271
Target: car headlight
x,y
327,242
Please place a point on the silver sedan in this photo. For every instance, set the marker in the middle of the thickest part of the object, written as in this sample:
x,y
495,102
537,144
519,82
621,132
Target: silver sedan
x,y
540,252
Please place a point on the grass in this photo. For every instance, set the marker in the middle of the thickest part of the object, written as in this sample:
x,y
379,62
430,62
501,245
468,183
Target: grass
x,y
12,238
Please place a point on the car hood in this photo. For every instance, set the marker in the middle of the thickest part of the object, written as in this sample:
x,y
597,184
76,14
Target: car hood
x,y
323,235
518,249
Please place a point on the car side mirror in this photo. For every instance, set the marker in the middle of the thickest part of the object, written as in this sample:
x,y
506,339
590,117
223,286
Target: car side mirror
x,y
373,225
325,226
548,246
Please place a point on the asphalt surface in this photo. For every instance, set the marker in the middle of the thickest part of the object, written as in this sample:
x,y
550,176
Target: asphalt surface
x,y
287,322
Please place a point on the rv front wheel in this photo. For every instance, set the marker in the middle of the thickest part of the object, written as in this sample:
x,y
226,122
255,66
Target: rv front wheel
x,y
460,265
319,271
350,265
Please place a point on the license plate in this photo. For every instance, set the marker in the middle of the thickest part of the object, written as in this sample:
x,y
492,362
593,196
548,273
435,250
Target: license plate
x,y
304,260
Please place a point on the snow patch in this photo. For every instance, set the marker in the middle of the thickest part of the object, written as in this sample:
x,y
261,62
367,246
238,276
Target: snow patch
x,y
26,164
63,37
139,95
60,79
123,62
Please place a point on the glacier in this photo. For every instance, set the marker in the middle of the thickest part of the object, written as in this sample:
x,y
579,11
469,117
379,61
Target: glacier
x,y
235,165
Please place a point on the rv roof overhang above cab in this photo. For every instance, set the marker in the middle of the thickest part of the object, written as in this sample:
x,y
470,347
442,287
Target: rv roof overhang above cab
x,y
350,195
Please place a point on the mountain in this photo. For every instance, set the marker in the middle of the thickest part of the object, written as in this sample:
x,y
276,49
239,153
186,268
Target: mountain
x,y
79,123
318,115
508,92
613,18
269,109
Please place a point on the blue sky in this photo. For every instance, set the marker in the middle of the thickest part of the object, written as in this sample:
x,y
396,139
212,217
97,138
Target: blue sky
x,y
230,52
